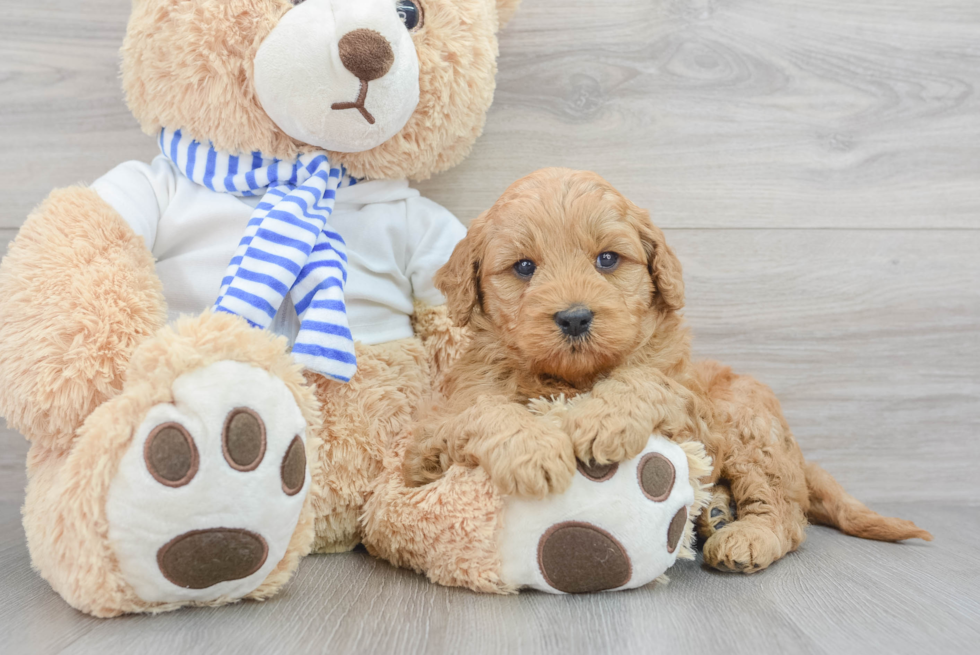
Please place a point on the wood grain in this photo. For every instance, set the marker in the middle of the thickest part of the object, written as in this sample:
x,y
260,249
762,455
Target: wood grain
x,y
743,113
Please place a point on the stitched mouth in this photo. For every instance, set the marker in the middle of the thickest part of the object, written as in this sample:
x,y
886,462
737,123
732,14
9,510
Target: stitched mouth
x,y
357,104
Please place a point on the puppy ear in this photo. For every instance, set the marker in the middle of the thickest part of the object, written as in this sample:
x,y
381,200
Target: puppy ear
x,y
664,267
459,278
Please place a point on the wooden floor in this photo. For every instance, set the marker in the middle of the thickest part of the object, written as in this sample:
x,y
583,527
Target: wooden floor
x,y
816,165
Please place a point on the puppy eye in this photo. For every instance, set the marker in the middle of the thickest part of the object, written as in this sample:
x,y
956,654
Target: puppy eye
x,y
410,12
296,2
525,268
607,262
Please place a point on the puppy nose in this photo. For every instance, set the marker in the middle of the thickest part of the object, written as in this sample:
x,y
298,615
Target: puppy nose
x,y
574,321
366,54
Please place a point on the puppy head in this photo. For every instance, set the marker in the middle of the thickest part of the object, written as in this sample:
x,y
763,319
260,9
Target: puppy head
x,y
566,273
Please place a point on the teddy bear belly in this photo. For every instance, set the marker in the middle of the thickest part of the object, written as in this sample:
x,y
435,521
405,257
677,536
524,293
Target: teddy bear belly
x,y
614,528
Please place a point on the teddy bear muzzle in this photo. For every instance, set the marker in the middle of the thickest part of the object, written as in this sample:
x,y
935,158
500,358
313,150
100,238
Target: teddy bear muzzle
x,y
341,76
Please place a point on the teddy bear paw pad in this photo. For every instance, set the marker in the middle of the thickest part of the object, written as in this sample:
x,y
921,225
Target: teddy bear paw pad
x,y
618,526
209,493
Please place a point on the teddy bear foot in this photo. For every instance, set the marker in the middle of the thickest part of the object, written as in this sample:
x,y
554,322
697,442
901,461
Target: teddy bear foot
x,y
618,526
209,493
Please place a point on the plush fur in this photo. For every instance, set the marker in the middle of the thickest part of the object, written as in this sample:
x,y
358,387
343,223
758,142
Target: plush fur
x,y
79,294
172,46
630,374
64,514
83,348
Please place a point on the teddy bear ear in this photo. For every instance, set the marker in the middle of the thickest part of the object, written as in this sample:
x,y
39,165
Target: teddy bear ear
x,y
505,11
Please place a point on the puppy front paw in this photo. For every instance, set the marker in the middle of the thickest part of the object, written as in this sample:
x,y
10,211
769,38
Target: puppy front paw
x,y
539,464
604,433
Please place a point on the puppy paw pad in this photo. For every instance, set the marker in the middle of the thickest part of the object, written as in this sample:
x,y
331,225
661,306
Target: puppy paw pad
x,y
243,439
170,454
597,472
293,468
577,557
202,558
656,475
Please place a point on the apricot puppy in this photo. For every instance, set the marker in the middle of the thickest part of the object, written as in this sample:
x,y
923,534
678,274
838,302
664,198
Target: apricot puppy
x,y
569,289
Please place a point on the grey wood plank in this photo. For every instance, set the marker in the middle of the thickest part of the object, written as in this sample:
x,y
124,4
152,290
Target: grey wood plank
x,y
741,113
869,338
744,113
836,595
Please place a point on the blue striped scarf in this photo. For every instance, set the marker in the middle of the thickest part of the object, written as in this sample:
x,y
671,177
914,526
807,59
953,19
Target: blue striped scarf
x,y
288,248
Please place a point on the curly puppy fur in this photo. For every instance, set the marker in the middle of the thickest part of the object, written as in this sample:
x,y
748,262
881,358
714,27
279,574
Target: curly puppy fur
x,y
630,374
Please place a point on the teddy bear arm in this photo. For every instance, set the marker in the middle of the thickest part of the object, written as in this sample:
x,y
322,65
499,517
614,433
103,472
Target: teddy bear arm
x,y
78,293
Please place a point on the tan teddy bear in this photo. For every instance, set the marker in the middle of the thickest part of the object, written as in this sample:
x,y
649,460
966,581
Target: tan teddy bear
x,y
193,461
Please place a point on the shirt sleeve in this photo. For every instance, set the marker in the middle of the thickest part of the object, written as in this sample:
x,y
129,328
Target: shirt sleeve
x,y
433,232
140,192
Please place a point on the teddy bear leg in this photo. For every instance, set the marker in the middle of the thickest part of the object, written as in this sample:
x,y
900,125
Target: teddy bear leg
x,y
360,421
190,486
448,529
78,293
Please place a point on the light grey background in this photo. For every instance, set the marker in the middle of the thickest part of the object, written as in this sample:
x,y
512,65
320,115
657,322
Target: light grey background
x,y
815,164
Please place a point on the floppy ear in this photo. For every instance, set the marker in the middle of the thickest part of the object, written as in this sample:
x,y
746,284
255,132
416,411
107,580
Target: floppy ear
x,y
459,278
664,267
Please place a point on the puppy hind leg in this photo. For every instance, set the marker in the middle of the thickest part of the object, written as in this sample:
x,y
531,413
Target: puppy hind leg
x,y
770,524
764,467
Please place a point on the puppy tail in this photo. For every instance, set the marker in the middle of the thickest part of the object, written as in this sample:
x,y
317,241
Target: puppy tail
x,y
831,505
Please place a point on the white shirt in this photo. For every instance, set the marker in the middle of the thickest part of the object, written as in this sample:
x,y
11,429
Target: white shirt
x,y
396,241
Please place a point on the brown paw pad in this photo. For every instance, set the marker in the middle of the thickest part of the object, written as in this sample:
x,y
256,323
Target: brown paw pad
x,y
576,557
202,558
243,439
597,472
656,475
170,455
676,529
293,468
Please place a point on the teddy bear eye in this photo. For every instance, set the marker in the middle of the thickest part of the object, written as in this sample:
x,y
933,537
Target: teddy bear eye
x,y
525,268
296,2
607,261
410,12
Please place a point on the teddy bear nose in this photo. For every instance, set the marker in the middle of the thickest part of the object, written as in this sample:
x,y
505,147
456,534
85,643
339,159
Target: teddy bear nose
x,y
574,321
366,54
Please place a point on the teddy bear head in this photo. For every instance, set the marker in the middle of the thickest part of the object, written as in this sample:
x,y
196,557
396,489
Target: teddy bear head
x,y
391,88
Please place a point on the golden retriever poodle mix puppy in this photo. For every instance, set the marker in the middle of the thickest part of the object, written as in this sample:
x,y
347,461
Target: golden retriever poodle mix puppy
x,y
569,290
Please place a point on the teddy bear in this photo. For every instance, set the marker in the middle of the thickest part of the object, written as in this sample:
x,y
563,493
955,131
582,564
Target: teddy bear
x,y
212,353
